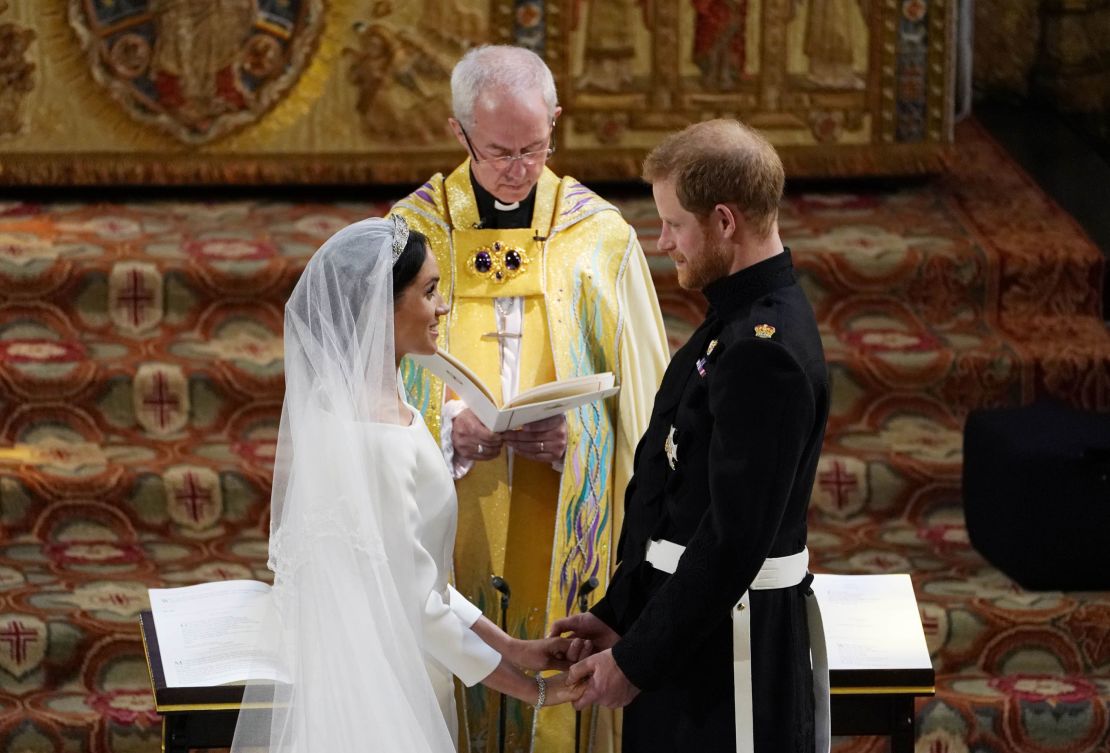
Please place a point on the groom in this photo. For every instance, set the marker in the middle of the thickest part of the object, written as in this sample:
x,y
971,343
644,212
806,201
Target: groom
x,y
712,558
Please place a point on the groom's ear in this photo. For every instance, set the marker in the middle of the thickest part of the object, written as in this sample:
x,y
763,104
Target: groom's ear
x,y
727,220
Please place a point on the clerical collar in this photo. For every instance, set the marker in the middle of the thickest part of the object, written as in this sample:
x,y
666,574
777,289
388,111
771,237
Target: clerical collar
x,y
495,215
737,291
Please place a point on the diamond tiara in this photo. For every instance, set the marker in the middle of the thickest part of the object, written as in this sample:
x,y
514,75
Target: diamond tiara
x,y
400,235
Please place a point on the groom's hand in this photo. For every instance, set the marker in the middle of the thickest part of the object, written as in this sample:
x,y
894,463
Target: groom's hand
x,y
606,684
558,691
588,634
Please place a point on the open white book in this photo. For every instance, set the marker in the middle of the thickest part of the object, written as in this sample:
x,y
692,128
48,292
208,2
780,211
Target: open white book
x,y
534,404
871,622
212,634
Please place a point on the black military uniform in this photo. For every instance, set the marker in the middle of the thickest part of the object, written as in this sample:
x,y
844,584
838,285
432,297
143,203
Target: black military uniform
x,y
725,469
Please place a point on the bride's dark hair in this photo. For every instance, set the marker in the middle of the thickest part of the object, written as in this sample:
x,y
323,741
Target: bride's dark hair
x,y
409,262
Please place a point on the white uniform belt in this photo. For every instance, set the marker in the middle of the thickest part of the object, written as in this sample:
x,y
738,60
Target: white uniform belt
x,y
777,572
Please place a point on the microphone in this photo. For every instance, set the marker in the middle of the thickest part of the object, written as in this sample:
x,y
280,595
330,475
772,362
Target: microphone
x,y
583,604
584,594
502,587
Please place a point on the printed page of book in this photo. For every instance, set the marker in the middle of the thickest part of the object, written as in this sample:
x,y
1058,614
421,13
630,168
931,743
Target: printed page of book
x,y
463,382
590,384
513,418
871,621
211,634
535,404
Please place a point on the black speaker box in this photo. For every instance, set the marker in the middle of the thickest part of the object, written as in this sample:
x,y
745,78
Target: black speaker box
x,y
1036,489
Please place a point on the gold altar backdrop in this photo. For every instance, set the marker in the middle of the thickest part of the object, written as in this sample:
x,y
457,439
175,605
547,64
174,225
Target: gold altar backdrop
x,y
335,91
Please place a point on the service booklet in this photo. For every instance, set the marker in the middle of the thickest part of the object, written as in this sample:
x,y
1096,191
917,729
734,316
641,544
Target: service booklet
x,y
535,404
211,634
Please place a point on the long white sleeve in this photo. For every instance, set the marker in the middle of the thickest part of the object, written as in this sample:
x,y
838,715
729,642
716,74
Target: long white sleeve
x,y
458,466
446,616
449,639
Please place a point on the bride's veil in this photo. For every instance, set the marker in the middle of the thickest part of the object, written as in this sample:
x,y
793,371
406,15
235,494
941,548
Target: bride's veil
x,y
345,615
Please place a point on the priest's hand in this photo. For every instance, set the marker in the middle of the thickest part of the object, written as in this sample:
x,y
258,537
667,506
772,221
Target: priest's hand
x,y
543,441
560,690
605,683
472,440
542,653
588,634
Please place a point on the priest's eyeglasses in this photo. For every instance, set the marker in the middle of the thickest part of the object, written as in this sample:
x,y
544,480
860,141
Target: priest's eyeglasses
x,y
503,163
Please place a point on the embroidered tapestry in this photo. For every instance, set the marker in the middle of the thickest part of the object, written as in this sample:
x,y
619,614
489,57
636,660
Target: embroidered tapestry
x,y
356,91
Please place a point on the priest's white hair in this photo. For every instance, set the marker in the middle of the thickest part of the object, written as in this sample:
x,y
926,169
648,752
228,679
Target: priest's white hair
x,y
503,68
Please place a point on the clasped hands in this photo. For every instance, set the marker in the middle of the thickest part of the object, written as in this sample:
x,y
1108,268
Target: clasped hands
x,y
593,676
543,441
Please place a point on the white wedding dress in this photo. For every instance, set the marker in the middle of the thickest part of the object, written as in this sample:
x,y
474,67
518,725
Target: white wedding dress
x,y
371,626
376,610
363,515
451,648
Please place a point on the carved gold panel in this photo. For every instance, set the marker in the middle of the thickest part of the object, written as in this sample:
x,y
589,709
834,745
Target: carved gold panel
x,y
356,91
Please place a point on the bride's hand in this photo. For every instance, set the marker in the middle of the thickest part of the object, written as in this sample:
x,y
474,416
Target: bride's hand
x,y
542,653
559,692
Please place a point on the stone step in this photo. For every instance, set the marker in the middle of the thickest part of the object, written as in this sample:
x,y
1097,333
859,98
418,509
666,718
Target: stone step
x,y
200,379
1010,710
878,350
911,248
71,603
96,417
151,269
879,357
999,651
104,495
212,379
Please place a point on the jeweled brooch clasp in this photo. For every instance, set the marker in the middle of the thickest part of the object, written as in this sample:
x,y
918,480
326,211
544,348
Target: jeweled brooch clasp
x,y
498,262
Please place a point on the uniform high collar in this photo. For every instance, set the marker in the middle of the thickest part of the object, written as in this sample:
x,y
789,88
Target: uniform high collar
x,y
736,292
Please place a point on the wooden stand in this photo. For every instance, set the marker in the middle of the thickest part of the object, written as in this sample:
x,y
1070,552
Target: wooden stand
x,y
864,702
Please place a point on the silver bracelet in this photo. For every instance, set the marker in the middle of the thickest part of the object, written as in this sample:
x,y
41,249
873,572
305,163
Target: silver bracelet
x,y
541,685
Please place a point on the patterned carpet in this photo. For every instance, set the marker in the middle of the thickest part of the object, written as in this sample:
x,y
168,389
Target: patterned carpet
x,y
140,387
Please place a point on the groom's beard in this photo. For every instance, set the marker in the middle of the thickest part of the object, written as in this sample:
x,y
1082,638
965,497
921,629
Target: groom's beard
x,y
709,266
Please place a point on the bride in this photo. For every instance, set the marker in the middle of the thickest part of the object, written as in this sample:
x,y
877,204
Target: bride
x,y
363,525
